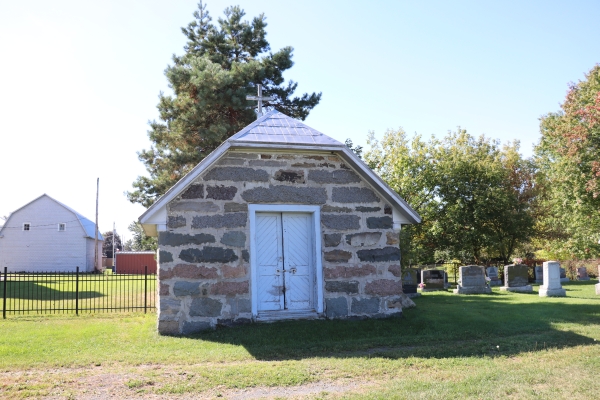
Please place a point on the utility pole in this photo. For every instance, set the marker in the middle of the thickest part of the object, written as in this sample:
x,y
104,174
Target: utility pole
x,y
96,226
113,244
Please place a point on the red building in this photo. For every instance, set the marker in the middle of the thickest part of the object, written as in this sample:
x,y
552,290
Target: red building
x,y
133,262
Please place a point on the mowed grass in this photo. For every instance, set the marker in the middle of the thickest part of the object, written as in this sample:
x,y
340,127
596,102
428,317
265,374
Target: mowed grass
x,y
479,346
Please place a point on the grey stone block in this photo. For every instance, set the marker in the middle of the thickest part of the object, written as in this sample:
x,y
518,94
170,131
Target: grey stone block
x,y
327,208
379,223
237,174
365,306
368,209
232,220
177,239
176,222
236,207
377,255
169,307
231,161
168,327
198,206
205,307
194,192
184,288
208,255
234,239
164,256
340,222
239,306
286,194
267,163
337,307
248,156
353,195
189,328
387,209
290,176
340,176
333,239
245,255
350,287
304,165
221,192
363,239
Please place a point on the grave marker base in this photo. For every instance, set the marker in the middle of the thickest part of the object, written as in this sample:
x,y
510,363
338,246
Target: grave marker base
x,y
518,289
544,292
472,290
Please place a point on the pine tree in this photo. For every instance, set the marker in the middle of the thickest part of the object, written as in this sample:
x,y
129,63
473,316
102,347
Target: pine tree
x,y
222,64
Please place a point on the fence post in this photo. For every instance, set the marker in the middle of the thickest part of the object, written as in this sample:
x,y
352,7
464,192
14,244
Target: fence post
x,y
77,291
4,295
145,289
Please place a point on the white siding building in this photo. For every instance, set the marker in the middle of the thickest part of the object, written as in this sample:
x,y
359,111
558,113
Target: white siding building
x,y
47,236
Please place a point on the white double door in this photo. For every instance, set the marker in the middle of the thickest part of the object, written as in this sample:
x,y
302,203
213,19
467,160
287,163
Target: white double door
x,y
284,257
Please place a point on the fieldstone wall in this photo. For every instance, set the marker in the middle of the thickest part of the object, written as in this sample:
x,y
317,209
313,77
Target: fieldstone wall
x,y
204,269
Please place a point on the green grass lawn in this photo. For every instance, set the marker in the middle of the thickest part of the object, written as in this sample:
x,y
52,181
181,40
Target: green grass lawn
x,y
57,293
480,346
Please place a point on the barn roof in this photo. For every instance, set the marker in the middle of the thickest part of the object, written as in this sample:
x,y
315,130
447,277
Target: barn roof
x,y
277,131
86,224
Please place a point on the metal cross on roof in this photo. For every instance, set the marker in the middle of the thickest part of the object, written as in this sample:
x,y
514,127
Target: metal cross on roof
x,y
260,100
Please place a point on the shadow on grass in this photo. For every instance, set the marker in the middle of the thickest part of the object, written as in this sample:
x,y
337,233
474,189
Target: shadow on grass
x,y
441,326
33,291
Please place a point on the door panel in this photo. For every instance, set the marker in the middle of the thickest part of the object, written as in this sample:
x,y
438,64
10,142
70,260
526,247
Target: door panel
x,y
297,261
269,260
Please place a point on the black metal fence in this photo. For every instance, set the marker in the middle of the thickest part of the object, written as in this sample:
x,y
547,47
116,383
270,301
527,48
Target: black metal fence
x,y
66,292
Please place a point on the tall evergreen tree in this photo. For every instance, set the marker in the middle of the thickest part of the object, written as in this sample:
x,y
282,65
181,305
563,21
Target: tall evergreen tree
x,y
222,64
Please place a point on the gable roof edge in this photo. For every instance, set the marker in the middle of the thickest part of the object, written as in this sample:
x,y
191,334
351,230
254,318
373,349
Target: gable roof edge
x,y
159,205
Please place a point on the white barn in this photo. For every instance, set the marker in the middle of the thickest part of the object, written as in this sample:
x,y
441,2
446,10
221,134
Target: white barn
x,y
47,236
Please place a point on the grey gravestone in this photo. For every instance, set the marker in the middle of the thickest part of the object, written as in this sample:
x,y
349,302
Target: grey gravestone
x,y
552,286
472,281
563,276
492,273
516,279
539,274
434,279
582,274
410,281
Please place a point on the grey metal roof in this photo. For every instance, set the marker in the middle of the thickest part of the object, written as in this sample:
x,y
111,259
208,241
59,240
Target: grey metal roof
x,y
275,127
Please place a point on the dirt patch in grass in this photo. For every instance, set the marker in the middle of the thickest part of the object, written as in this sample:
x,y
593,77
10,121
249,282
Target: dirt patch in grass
x,y
144,381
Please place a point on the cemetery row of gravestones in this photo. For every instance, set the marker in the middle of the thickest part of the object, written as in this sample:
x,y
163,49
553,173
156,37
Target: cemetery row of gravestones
x,y
475,279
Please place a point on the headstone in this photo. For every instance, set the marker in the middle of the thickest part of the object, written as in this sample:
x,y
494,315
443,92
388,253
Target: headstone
x,y
582,274
472,281
539,274
598,284
516,279
552,286
433,279
492,273
563,276
410,280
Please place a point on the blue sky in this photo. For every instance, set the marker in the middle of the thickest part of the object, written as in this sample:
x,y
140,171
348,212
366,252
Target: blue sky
x,y
79,79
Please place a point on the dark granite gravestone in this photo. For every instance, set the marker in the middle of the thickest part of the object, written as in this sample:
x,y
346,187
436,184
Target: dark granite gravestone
x,y
582,274
563,275
472,281
434,279
539,274
410,280
516,279
492,273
